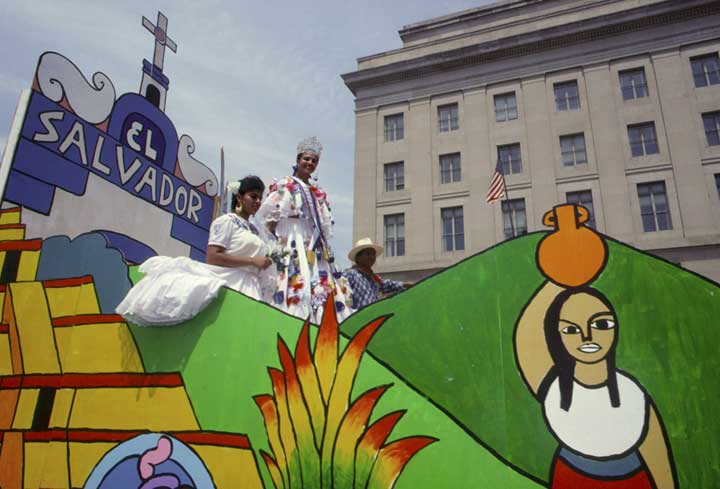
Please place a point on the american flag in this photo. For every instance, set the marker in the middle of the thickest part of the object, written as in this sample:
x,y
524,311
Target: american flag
x,y
496,191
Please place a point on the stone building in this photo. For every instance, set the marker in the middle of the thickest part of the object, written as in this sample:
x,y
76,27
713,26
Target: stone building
x,y
614,104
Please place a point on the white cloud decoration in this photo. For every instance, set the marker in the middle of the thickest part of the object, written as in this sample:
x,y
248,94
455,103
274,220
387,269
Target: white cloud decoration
x,y
57,75
194,171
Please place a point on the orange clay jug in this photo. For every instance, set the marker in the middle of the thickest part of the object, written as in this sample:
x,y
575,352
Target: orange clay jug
x,y
573,254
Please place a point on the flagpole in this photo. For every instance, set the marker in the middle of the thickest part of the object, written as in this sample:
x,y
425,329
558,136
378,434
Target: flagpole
x,y
510,211
507,200
223,191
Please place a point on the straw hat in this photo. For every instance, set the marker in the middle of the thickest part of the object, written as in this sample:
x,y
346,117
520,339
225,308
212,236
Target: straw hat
x,y
362,244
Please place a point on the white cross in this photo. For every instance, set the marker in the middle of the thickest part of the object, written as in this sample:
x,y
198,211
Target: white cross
x,y
161,38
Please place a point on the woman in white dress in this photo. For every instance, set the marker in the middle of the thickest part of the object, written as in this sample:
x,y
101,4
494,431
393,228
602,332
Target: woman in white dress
x,y
609,430
174,290
298,214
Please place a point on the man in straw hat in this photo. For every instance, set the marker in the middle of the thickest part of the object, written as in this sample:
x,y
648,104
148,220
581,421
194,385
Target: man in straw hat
x,y
367,285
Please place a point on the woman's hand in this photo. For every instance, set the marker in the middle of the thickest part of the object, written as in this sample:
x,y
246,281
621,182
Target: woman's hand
x,y
261,262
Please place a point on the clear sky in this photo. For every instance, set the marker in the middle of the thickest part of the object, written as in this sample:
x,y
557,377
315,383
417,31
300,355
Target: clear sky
x,y
254,77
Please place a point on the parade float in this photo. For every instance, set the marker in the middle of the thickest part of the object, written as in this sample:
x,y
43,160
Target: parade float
x,y
426,389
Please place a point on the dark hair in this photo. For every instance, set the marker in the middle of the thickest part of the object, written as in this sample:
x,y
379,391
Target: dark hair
x,y
564,363
250,182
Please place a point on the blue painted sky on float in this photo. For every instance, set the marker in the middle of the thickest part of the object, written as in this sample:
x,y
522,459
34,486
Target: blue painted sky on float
x,y
254,77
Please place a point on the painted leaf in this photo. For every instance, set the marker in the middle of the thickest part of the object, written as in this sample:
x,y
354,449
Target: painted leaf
x,y
351,429
310,383
369,446
273,469
287,435
340,394
305,438
393,458
326,347
269,412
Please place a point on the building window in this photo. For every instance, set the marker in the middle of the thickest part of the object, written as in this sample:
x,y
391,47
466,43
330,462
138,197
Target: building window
x,y
643,140
572,148
505,107
654,209
514,218
510,158
566,96
705,70
448,118
450,168
717,183
633,84
583,198
453,234
394,176
711,122
394,127
395,235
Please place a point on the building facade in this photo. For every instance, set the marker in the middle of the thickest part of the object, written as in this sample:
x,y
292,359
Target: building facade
x,y
614,104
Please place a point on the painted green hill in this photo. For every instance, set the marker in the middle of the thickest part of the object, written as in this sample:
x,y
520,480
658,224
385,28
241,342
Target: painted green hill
x,y
451,338
223,355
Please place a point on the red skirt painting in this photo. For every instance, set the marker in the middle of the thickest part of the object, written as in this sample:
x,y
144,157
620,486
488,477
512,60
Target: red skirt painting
x,y
566,477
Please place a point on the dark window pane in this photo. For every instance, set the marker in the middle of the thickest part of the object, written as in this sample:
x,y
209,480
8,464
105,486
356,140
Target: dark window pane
x,y
705,70
648,223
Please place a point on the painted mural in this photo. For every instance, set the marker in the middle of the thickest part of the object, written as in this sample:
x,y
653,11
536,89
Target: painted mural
x,y
560,359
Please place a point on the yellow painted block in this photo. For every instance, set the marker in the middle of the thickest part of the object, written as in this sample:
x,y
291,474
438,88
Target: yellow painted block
x,y
25,409
72,301
83,459
130,408
9,217
230,467
46,465
32,319
28,265
5,360
12,234
61,408
2,258
97,349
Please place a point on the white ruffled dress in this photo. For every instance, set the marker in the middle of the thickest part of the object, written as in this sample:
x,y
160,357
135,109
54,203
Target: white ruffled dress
x,y
174,290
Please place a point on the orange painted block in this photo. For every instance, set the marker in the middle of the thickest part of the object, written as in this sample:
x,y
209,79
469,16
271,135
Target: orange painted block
x,y
5,355
230,467
97,348
8,404
133,408
11,460
46,465
30,320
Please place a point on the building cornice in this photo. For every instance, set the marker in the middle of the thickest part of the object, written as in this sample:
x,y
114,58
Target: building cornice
x,y
597,28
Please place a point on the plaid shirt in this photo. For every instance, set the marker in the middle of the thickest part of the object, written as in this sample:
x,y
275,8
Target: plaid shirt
x,y
365,290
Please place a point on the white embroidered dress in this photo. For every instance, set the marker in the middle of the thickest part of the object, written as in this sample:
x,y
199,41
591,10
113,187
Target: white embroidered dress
x,y
174,290
304,227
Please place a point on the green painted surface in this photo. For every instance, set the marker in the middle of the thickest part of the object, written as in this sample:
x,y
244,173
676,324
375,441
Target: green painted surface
x,y
451,338
223,355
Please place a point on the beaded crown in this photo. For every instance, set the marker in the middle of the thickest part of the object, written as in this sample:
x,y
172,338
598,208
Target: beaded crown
x,y
310,144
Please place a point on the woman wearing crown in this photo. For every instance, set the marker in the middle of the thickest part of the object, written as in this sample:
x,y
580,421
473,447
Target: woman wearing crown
x,y
297,213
